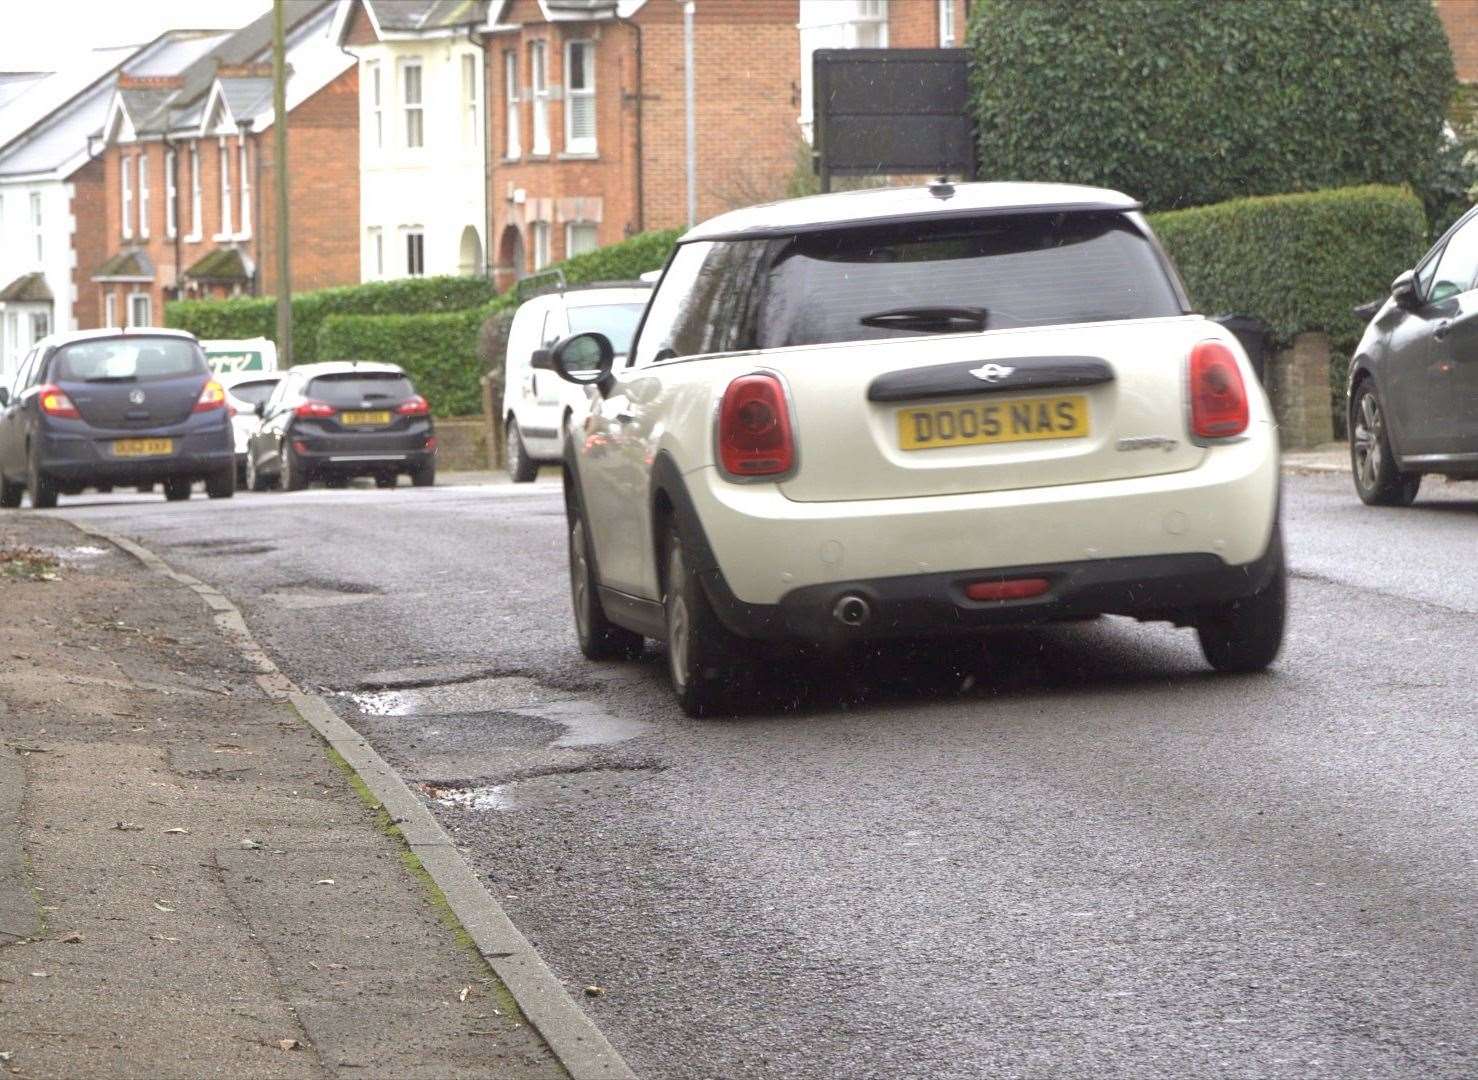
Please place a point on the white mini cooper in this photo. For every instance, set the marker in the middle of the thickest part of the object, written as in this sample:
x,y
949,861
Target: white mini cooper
x,y
913,412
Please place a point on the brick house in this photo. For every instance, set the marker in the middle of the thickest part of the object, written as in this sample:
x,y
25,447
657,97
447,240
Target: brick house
x,y
187,164
51,196
423,193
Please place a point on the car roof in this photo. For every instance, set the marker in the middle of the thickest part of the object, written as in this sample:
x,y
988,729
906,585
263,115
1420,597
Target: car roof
x,y
69,337
624,294
347,367
937,201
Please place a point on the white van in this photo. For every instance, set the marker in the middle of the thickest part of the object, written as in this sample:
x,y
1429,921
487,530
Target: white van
x,y
539,406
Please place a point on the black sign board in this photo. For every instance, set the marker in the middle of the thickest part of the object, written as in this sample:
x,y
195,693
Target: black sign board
x,y
892,111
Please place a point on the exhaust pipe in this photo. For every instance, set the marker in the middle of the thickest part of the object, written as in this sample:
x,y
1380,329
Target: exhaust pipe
x,y
852,610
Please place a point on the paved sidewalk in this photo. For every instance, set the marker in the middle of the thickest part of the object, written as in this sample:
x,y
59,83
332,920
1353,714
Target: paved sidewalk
x,y
1330,457
189,886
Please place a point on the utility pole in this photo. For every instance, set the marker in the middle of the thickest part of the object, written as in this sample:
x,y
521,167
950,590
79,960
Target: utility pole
x,y
279,178
689,8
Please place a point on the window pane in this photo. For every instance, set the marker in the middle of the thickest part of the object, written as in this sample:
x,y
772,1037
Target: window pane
x,y
132,358
1458,265
615,321
413,84
349,390
578,59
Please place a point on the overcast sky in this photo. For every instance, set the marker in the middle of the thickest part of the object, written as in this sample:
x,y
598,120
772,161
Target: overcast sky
x,y
40,35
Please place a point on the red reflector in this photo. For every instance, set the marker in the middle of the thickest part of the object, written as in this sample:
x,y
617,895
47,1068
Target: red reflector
x,y
300,446
416,406
430,442
54,402
1020,589
754,436
1218,395
318,409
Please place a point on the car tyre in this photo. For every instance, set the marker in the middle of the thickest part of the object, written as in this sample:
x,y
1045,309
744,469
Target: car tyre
x,y
222,483
1378,480
704,658
1245,635
522,469
177,490
385,480
43,488
424,475
293,476
600,639
255,480
10,492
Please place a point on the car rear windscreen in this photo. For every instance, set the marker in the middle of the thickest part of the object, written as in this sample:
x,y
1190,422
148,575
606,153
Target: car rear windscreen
x,y
1020,270
353,389
615,321
253,393
130,359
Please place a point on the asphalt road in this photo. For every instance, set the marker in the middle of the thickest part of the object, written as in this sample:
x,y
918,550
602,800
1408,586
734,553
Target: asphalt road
x,y
1087,857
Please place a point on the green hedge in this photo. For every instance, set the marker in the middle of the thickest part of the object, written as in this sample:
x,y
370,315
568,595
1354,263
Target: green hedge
x,y
257,316
1186,103
437,351
1298,262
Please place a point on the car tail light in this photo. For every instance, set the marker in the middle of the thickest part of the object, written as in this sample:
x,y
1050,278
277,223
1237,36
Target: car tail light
x,y
300,446
316,409
54,402
430,442
1218,394
416,406
754,436
212,396
1017,589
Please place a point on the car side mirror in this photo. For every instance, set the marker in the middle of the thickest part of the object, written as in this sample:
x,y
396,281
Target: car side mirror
x,y
585,360
1403,289
1366,312
4,396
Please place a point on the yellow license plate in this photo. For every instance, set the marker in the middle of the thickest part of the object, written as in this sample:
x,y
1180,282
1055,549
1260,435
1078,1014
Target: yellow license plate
x,y
142,447
364,419
978,423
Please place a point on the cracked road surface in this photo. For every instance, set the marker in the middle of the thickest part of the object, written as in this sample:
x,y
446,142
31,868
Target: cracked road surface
x,y
1087,857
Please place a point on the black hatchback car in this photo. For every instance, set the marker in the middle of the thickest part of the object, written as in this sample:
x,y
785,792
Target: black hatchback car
x,y
1414,377
338,420
95,408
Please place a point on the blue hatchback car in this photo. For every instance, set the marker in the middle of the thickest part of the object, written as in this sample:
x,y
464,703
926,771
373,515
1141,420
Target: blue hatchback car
x,y
97,408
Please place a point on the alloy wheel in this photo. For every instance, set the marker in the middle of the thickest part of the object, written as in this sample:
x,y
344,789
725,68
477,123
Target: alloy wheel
x,y
580,579
1368,439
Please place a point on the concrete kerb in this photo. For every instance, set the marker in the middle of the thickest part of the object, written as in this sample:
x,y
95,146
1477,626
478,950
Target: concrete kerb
x,y
580,1047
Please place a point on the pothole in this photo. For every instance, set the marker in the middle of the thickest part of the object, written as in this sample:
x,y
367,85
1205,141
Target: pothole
x,y
541,792
305,595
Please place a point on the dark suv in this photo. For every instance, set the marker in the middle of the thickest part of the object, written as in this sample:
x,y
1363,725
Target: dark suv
x,y
334,421
95,408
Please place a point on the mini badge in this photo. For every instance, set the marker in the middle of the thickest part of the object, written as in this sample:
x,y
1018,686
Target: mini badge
x,y
991,373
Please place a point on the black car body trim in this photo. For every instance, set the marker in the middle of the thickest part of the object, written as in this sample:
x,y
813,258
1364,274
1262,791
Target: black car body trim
x,y
995,377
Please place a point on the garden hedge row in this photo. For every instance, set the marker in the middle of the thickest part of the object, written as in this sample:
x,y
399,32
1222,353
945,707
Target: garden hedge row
x,y
1298,262
1187,103
437,352
257,316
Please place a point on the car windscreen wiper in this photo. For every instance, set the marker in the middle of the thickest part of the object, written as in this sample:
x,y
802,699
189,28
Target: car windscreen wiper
x,y
936,320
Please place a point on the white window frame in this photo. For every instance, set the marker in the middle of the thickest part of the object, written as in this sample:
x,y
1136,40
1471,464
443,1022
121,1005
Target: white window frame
x,y
171,195
512,135
869,14
133,302
539,232
37,226
539,93
586,144
223,156
375,242
376,102
144,194
948,36
413,109
196,213
415,232
570,230
471,99
244,233
110,309
125,187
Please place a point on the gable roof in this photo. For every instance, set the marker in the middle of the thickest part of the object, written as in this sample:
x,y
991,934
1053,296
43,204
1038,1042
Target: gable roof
x,y
27,289
415,18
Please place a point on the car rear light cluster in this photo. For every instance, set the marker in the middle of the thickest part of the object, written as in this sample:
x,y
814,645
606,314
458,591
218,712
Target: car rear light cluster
x,y
1014,589
318,410
54,402
754,433
416,406
212,396
1219,407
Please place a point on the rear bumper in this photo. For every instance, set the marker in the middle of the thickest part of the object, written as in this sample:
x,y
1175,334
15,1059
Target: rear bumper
x,y
367,451
86,455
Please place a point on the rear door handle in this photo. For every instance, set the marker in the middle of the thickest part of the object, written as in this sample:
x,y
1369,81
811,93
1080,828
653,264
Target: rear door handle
x,y
1442,329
